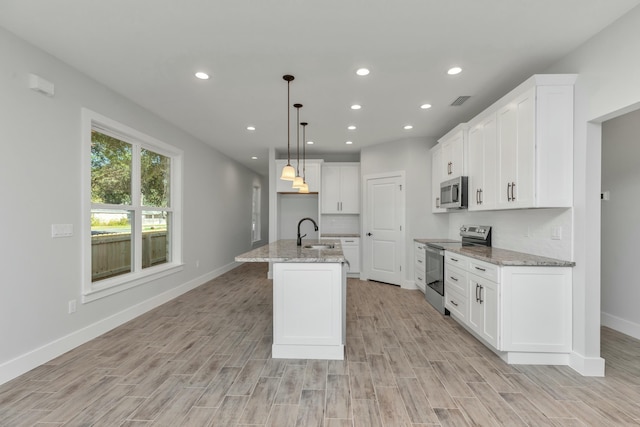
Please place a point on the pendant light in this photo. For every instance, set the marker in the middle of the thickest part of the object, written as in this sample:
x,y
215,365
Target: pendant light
x,y
288,172
297,181
305,187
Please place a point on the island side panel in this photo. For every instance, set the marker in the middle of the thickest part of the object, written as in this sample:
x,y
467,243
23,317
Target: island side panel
x,y
309,301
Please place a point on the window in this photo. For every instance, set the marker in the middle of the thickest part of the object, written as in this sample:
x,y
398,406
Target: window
x,y
133,207
255,215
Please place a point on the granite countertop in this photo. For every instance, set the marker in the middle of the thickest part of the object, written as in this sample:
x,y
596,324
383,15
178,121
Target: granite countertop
x,y
507,258
338,235
288,251
442,240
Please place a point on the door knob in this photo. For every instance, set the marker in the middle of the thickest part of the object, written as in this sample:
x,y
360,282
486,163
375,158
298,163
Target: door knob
x,y
369,234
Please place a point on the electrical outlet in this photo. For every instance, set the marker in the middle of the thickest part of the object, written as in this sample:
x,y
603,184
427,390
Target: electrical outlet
x,y
556,232
72,306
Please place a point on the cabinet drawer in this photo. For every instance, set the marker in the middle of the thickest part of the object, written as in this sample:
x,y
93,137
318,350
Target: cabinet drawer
x,y
484,269
452,258
455,279
420,278
456,304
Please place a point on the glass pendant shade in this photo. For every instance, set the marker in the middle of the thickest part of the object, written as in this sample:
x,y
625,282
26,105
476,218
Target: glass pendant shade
x,y
297,182
304,189
288,173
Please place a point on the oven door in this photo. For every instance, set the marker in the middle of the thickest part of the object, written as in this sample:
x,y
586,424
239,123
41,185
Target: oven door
x,y
435,269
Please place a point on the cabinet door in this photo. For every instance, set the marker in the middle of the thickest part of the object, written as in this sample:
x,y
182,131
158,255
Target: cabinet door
x,y
483,308
436,179
312,176
453,156
490,163
516,145
351,250
330,193
350,189
476,167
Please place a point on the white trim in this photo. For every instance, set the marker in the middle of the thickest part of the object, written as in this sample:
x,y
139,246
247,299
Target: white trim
x,y
411,285
619,324
94,290
586,366
25,362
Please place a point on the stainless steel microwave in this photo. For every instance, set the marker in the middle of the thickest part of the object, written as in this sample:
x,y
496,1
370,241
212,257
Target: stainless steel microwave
x,y
453,193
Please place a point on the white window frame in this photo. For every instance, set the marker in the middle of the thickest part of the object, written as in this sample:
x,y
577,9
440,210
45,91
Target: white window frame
x,y
92,291
256,200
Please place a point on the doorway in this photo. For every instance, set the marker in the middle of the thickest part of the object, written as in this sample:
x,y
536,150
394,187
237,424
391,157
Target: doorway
x,y
383,227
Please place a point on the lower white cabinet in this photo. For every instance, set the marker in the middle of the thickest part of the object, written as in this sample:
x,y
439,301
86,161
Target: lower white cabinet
x,y
351,251
420,265
522,312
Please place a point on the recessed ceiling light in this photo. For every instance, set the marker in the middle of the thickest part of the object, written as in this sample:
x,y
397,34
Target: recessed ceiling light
x,y
202,76
309,142
352,127
356,107
425,106
454,70
251,128
254,158
407,127
348,142
363,72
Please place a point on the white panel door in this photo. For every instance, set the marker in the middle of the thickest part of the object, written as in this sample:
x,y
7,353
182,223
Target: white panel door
x,y
383,229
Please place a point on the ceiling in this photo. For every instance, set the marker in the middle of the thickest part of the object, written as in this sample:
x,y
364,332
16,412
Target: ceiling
x,y
149,50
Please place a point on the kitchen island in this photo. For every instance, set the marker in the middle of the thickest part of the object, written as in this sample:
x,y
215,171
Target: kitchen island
x,y
309,297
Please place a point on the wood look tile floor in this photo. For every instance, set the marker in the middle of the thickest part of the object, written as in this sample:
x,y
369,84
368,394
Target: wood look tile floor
x,y
203,359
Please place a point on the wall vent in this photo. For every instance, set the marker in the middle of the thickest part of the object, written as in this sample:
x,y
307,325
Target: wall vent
x,y
459,101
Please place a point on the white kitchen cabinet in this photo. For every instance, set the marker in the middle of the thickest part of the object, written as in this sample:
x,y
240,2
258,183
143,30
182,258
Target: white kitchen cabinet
x,y
351,251
436,179
312,175
535,144
420,265
340,192
482,165
523,312
453,152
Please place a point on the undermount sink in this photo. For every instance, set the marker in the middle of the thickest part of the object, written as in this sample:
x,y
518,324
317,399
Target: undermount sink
x,y
320,246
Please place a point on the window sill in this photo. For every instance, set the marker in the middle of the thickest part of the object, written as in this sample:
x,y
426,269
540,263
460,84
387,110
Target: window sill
x,y
107,287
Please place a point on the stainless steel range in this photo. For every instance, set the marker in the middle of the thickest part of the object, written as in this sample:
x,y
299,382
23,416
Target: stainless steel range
x,y
472,235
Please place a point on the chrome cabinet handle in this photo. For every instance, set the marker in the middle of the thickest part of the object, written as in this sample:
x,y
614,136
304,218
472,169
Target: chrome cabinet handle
x,y
513,186
420,261
481,196
477,297
437,202
479,268
453,278
453,259
508,191
481,300
453,302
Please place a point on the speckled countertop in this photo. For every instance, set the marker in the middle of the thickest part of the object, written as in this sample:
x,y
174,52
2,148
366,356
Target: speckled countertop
x,y
443,240
287,251
508,258
338,235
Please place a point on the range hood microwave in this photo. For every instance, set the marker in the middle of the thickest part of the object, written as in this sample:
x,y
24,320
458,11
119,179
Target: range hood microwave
x,y
453,193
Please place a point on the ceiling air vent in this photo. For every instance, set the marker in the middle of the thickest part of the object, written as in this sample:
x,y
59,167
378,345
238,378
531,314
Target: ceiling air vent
x,y
459,101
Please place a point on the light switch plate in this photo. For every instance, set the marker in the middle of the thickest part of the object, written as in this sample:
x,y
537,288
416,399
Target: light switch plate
x,y
61,230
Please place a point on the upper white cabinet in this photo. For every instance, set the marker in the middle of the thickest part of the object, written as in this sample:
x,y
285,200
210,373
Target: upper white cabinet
x,y
340,188
483,159
436,179
521,148
312,175
453,152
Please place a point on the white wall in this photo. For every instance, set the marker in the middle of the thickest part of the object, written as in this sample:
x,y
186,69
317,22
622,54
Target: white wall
x,y
620,226
412,157
40,174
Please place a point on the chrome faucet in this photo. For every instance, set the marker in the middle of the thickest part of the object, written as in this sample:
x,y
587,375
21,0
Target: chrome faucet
x,y
315,226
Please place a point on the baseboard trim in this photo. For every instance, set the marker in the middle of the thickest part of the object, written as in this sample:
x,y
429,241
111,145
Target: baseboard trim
x,y
587,366
24,363
410,284
621,325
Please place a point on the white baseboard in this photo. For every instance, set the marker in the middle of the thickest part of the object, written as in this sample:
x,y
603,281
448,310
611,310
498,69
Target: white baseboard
x,y
36,357
621,325
410,284
587,366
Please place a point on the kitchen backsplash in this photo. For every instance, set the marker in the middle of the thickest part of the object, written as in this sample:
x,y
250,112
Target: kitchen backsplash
x,y
336,224
522,230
